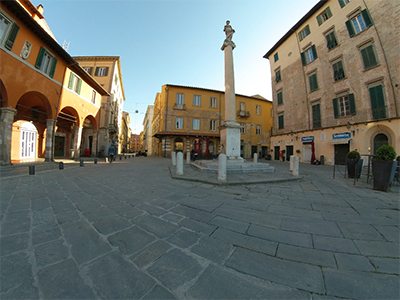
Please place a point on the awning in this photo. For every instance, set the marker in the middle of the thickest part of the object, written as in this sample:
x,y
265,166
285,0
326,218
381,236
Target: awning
x,y
339,141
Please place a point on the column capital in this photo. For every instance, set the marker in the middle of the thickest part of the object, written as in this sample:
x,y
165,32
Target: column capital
x,y
228,43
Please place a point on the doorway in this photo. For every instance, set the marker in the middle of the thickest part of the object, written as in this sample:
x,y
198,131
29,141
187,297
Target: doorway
x,y
341,151
59,146
276,152
28,141
380,140
289,152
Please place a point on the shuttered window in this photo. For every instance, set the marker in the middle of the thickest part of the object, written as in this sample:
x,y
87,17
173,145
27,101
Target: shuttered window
x,y
281,124
278,76
75,83
344,106
46,62
331,41
304,32
309,55
325,15
12,36
280,98
101,71
343,2
316,115
369,58
377,102
359,23
313,82
338,71
276,57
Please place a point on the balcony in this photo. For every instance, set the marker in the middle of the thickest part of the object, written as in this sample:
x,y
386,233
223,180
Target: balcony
x,y
179,106
243,113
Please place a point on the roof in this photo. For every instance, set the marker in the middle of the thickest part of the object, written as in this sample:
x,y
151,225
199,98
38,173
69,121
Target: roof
x,y
258,97
296,27
19,11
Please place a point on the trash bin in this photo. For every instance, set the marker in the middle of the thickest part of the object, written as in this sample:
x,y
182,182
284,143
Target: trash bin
x,y
322,159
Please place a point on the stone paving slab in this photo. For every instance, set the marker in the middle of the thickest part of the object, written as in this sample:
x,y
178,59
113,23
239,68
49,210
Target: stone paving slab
x,y
142,234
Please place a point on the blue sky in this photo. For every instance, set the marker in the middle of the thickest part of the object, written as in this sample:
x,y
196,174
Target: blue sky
x,y
175,41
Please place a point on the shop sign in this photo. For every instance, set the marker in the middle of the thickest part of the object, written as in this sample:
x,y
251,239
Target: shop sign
x,y
307,139
343,135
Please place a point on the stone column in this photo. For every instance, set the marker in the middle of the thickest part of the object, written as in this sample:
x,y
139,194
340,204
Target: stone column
x,y
173,158
179,163
94,143
77,141
230,130
255,157
6,122
222,167
49,151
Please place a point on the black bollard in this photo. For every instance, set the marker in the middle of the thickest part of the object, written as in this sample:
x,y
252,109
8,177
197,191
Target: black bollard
x,y
81,163
61,165
120,157
31,170
125,156
95,161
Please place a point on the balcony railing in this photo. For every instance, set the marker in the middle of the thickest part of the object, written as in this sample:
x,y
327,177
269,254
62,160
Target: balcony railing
x,y
243,113
180,106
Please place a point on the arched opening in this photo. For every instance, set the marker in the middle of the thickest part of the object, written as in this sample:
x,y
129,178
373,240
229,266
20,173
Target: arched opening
x,y
3,95
25,139
178,145
197,145
63,141
89,138
380,140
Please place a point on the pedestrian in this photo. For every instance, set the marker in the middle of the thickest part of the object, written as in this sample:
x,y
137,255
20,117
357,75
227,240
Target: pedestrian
x,y
111,153
281,155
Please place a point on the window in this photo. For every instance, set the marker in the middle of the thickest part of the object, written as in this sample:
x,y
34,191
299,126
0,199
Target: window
x,y
276,57
304,32
359,23
46,62
280,122
93,96
309,55
280,98
196,124
242,128
179,123
7,34
213,102
277,75
213,125
338,71
316,116
343,2
196,100
88,69
75,83
377,102
331,41
325,15
313,82
101,71
369,58
258,130
344,106
258,109
179,98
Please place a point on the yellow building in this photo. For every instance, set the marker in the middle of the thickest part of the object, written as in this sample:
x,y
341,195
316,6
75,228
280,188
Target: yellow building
x,y
188,118
335,77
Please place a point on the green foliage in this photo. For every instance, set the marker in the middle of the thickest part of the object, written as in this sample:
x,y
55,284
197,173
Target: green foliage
x,y
398,158
298,151
385,152
353,155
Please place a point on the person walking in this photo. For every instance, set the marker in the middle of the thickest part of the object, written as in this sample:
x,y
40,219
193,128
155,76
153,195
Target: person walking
x,y
111,153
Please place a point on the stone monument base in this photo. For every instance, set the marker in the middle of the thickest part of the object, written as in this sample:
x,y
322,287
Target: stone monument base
x,y
232,166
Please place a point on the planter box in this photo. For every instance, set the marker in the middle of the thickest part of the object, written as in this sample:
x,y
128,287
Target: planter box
x,y
351,167
383,174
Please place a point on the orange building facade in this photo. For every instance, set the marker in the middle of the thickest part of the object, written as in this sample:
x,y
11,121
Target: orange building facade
x,y
49,104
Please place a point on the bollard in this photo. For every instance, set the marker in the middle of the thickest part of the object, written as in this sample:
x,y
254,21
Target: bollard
x,y
120,157
125,156
255,158
173,157
179,163
95,161
31,170
188,158
222,167
296,165
61,165
291,163
81,163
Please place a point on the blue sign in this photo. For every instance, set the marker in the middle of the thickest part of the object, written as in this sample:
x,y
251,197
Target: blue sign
x,y
307,139
343,135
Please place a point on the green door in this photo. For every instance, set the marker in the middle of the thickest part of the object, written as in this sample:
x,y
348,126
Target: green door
x,y
59,146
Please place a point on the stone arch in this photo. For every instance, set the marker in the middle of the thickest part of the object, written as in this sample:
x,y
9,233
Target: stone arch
x,y
26,144
178,144
3,95
380,131
89,136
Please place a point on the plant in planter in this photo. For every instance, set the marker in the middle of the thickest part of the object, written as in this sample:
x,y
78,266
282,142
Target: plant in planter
x,y
353,161
283,154
384,167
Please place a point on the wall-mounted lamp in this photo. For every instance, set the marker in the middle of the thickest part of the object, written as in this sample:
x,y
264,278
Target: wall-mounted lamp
x,y
348,125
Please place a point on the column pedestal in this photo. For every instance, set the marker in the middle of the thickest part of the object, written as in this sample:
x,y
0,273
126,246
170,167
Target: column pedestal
x,y
6,121
230,142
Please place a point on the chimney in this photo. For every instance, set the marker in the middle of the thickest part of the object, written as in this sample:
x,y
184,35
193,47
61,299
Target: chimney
x,y
40,9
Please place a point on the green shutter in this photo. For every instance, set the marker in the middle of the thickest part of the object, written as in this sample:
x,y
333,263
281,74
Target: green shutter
x,y
106,71
300,36
377,102
368,56
319,19
79,86
276,56
40,58
303,58
352,104
90,70
280,122
280,98
308,30
71,81
314,51
350,28
53,67
96,72
328,12
316,114
342,4
367,18
12,36
336,108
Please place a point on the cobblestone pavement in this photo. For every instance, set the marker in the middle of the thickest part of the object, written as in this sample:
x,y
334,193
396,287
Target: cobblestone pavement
x,y
128,230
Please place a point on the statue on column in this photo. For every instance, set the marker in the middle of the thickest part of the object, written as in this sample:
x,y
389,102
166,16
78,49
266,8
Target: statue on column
x,y
229,31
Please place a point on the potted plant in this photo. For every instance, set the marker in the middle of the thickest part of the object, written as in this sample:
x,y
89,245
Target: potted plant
x,y
353,161
283,154
384,167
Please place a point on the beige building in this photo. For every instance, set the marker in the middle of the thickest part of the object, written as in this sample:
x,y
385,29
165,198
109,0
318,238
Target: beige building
x,y
189,118
148,130
124,138
335,78
106,70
